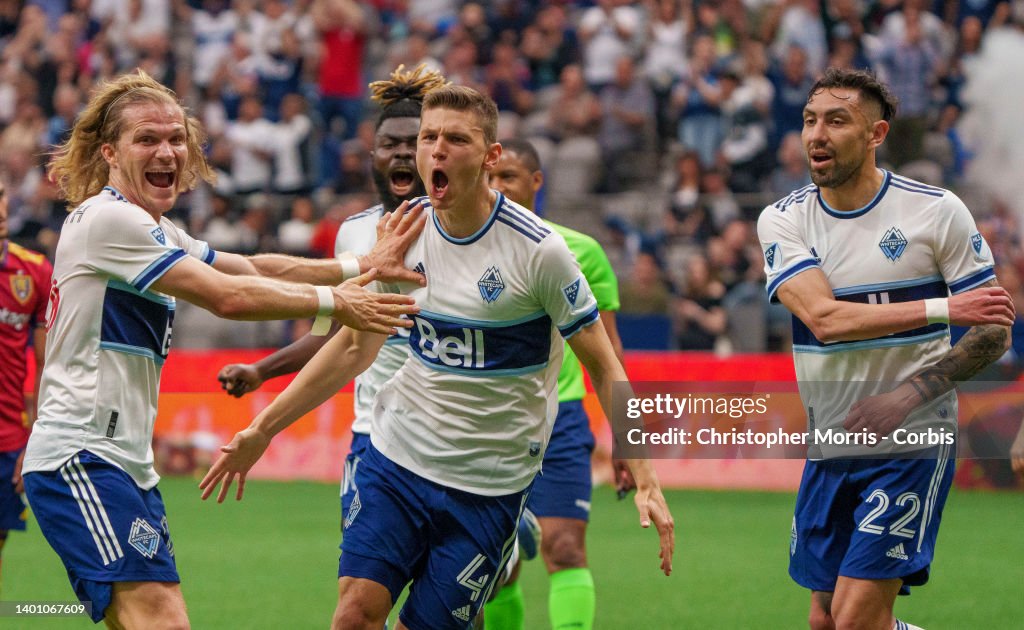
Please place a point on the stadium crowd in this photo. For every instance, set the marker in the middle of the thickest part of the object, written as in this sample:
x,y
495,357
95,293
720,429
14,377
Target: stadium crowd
x,y
665,125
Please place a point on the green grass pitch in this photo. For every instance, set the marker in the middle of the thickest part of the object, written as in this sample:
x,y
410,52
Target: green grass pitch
x,y
271,561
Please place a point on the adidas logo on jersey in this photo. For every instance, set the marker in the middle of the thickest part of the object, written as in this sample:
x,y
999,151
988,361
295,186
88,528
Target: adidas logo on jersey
x,y
462,613
897,552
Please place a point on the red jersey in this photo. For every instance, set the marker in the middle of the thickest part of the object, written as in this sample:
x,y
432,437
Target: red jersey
x,y
24,290
341,73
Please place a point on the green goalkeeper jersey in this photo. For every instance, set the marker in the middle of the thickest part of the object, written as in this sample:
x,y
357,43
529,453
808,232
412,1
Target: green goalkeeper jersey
x,y
598,272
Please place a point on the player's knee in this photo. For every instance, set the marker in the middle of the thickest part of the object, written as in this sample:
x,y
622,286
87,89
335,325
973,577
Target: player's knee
x,y
563,549
355,616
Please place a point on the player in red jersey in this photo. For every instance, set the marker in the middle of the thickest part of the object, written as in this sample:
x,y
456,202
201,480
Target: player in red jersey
x,y
24,287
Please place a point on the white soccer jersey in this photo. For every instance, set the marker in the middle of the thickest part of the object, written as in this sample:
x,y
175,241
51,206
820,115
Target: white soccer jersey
x,y
109,334
912,242
357,235
473,407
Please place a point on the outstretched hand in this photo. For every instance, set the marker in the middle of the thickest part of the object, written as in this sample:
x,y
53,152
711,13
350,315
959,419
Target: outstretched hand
x,y
361,309
650,503
237,457
238,379
396,231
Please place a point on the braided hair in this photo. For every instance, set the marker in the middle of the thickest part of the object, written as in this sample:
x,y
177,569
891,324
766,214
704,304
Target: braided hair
x,y
401,95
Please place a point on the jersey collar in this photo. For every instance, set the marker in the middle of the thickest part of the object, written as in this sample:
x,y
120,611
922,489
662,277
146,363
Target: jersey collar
x,y
853,214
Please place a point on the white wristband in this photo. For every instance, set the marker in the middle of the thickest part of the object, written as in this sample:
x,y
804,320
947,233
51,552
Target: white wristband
x,y
349,266
322,323
326,297
936,310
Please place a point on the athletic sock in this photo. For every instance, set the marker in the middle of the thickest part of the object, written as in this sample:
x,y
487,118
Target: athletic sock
x,y
571,601
903,625
505,611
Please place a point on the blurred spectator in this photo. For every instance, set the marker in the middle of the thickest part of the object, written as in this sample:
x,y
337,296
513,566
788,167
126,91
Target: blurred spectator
x,y
291,137
296,234
219,230
792,83
67,100
791,173
252,148
342,26
698,311
718,199
910,64
645,292
687,219
508,82
213,26
549,45
698,98
607,31
326,231
627,107
798,23
744,150
665,60
569,122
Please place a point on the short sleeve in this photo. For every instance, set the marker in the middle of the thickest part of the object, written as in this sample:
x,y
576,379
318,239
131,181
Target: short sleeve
x,y
561,288
786,254
964,258
192,246
124,242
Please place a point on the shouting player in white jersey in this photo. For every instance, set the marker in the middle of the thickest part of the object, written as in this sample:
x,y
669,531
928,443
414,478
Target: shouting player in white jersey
x,y
394,172
460,431
866,260
120,263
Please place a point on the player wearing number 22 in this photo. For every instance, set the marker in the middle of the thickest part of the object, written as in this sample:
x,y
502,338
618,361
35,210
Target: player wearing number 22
x,y
866,260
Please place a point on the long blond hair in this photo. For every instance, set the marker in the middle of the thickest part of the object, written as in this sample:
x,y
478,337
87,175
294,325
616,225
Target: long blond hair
x,y
77,166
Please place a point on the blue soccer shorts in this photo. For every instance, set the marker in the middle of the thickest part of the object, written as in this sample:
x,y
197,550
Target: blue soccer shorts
x,y
348,477
104,527
450,544
870,519
12,508
564,485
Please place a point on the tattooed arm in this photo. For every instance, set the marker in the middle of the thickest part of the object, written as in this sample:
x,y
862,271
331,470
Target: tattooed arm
x,y
976,350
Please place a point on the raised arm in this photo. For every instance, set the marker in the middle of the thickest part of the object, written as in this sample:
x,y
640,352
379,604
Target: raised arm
x,y
809,297
595,351
345,356
395,232
258,298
